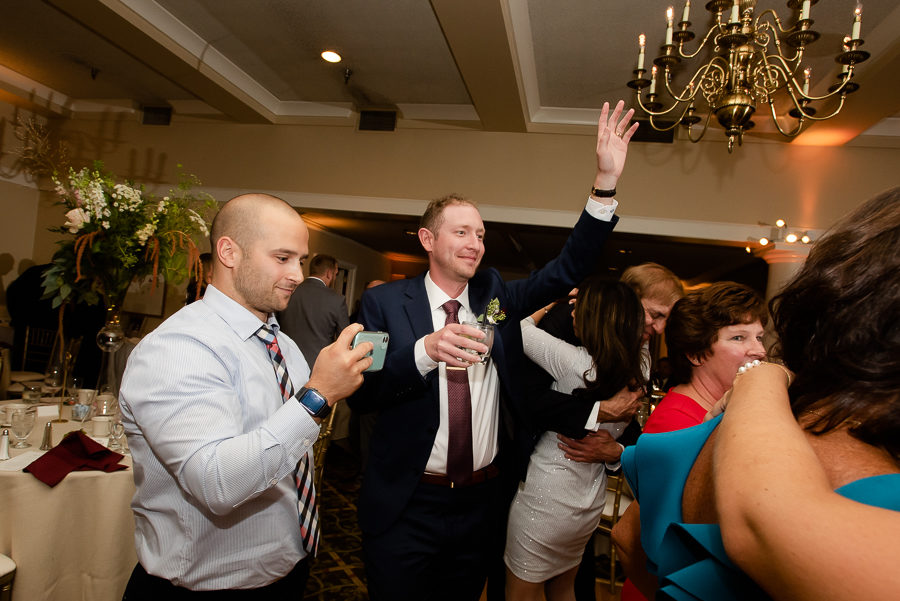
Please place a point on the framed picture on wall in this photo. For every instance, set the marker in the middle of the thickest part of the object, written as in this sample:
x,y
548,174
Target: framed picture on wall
x,y
142,298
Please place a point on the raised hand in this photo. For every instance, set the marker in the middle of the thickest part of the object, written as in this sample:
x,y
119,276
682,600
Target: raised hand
x,y
613,135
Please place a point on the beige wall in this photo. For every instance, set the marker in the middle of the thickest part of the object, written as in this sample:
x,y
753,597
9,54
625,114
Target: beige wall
x,y
677,185
808,186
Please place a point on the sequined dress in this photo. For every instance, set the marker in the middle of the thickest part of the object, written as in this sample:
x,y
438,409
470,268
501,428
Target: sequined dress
x,y
557,508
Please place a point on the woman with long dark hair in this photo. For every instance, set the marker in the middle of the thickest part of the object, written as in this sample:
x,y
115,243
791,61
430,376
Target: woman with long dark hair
x,y
557,508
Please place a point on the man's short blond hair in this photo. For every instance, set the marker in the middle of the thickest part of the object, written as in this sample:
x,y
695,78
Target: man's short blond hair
x,y
653,281
433,217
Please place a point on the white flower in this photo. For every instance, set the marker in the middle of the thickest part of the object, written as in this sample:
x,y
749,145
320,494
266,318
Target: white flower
x,y
145,232
105,224
126,197
75,220
196,218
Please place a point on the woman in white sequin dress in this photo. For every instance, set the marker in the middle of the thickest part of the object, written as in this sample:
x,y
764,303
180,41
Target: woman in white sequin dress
x,y
557,508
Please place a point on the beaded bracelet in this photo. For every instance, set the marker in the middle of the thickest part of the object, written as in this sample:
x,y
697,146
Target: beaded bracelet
x,y
751,364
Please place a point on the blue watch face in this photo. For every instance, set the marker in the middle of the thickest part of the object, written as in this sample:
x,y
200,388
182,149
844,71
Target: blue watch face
x,y
313,401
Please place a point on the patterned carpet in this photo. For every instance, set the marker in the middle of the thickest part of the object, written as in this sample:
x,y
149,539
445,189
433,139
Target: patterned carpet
x,y
337,573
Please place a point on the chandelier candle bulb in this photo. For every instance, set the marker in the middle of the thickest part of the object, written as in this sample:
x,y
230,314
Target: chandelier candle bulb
x,y
806,73
669,15
687,11
857,20
735,12
653,80
804,11
641,42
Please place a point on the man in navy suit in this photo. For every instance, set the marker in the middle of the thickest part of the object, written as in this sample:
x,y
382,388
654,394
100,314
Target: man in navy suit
x,y
429,531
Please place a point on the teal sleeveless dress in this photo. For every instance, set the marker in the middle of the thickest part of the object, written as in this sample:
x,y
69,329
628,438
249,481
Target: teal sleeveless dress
x,y
689,559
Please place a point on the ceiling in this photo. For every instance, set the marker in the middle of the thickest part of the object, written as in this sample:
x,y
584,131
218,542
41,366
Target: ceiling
x,y
494,65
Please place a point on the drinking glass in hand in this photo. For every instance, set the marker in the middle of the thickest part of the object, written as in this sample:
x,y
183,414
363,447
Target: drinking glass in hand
x,y
22,425
488,340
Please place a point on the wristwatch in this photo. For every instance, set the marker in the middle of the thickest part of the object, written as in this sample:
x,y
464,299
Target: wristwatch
x,y
313,401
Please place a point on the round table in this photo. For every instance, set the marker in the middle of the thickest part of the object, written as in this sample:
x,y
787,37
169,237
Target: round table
x,y
74,541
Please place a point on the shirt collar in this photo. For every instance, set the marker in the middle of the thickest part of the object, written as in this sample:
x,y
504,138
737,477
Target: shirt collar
x,y
239,318
437,297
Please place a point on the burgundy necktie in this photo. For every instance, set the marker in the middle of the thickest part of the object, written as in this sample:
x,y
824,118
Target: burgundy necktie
x,y
459,446
306,492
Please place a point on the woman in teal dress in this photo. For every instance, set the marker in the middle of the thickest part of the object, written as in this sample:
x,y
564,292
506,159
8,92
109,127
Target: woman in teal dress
x,y
802,475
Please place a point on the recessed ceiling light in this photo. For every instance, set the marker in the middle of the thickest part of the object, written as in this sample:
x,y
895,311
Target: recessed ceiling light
x,y
331,56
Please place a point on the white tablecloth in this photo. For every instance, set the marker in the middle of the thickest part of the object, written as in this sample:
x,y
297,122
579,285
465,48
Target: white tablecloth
x,y
74,541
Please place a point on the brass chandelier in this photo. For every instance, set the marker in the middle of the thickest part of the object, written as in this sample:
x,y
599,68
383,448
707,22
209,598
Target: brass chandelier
x,y
755,61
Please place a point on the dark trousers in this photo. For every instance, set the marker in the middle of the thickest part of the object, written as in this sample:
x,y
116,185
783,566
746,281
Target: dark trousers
x,y
440,548
145,587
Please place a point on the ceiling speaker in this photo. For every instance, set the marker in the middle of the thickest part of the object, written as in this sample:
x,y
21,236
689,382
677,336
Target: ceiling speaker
x,y
156,115
377,120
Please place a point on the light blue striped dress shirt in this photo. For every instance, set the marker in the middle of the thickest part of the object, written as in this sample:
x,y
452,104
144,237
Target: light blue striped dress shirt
x,y
214,449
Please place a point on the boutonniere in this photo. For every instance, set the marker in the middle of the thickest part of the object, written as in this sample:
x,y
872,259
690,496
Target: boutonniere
x,y
493,311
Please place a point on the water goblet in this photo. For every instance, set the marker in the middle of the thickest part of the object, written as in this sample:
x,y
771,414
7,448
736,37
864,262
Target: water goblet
x,y
22,425
53,380
488,340
117,436
31,392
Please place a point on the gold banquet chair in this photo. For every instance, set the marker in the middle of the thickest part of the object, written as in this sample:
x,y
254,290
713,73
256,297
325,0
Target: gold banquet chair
x,y
37,350
320,448
618,498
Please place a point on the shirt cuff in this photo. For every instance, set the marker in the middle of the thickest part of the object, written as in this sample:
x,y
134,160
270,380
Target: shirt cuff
x,y
601,211
592,424
615,465
424,363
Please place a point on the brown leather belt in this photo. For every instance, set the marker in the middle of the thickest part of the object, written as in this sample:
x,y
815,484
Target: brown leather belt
x,y
485,473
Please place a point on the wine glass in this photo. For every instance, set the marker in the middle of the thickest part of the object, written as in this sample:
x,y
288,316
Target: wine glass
x,y
53,380
117,434
22,425
488,340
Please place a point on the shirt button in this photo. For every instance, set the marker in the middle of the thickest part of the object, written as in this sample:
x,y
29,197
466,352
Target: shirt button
x,y
273,482
307,442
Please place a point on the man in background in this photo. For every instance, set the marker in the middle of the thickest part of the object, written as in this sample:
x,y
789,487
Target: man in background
x,y
316,313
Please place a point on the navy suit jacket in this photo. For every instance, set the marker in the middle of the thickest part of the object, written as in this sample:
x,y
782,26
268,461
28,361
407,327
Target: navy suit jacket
x,y
408,403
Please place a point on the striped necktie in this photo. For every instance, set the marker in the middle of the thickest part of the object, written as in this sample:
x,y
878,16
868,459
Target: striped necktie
x,y
306,493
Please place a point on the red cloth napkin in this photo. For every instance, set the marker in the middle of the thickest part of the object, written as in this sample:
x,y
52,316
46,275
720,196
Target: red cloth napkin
x,y
75,452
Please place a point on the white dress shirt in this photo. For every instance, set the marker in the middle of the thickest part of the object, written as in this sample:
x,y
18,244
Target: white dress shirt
x,y
215,449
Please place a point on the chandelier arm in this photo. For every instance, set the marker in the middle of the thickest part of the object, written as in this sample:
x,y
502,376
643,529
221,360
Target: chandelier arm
x,y
714,29
698,76
763,30
831,94
654,113
826,117
789,134
670,127
774,15
703,132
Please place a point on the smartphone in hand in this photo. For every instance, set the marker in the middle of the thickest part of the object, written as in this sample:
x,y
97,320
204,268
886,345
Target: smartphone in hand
x,y
379,341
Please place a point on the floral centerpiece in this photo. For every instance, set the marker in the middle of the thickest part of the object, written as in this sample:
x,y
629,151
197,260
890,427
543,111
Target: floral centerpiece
x,y
122,233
